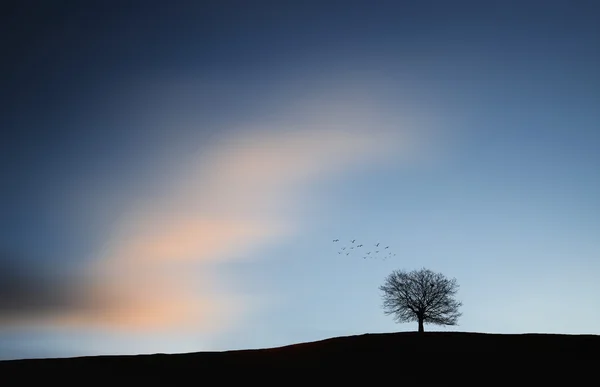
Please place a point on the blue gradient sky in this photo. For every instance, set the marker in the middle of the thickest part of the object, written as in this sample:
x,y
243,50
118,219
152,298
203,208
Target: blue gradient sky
x,y
173,174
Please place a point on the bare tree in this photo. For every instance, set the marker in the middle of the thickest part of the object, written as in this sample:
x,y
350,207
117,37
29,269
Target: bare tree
x,y
421,295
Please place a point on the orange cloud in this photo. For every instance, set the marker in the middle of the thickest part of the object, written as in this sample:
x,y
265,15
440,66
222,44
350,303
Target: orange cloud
x,y
225,203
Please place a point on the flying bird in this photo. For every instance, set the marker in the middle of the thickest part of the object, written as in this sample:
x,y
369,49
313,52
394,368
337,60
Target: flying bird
x,y
387,247
377,245
336,240
352,240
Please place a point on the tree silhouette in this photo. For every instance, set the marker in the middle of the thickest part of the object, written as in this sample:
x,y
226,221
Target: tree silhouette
x,y
421,295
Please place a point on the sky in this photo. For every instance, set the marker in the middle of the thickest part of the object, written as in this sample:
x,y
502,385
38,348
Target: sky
x,y
173,174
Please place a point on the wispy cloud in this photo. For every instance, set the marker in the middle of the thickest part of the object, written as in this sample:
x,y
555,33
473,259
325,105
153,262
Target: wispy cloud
x,y
225,202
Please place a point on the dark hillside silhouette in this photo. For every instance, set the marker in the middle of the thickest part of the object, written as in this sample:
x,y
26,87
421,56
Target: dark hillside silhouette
x,y
516,356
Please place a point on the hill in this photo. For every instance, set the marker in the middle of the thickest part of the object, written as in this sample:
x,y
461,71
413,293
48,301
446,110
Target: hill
x,y
407,352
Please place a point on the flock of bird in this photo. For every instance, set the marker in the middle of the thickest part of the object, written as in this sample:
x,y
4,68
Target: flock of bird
x,y
376,251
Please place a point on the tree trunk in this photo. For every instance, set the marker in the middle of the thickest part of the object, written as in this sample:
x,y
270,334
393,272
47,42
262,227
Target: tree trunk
x,y
421,327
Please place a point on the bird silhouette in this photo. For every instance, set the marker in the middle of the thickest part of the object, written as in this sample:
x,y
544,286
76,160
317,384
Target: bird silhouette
x,y
384,254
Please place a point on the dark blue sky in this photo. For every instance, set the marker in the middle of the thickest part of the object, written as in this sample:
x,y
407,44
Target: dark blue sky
x,y
103,100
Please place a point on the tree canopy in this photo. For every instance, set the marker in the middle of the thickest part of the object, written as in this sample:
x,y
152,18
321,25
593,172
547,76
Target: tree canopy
x,y
421,295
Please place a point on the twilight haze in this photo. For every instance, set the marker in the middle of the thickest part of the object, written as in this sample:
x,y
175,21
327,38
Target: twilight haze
x,y
174,173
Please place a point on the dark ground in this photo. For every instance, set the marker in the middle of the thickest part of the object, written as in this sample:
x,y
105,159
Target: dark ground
x,y
404,357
